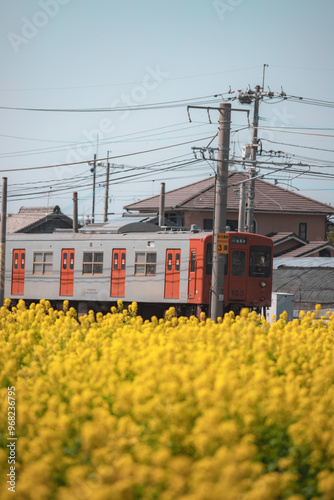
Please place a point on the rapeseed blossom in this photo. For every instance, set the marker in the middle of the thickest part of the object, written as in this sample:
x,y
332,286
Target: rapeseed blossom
x,y
114,407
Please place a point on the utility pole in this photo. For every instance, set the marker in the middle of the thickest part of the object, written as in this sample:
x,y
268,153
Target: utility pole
x,y
75,212
94,179
219,250
218,259
162,205
252,169
106,195
242,206
3,240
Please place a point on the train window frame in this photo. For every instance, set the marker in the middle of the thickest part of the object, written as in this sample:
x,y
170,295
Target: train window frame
x,y
238,263
145,264
267,267
96,265
44,266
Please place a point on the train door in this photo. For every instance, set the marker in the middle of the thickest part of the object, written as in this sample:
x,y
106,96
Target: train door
x,y
18,271
192,274
67,272
237,290
172,273
118,269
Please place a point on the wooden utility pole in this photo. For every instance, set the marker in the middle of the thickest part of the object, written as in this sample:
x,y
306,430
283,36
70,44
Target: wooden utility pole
x,y
106,195
218,258
3,240
252,170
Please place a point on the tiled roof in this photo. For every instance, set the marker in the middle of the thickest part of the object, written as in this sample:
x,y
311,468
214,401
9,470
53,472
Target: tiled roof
x,y
309,248
281,237
200,196
29,216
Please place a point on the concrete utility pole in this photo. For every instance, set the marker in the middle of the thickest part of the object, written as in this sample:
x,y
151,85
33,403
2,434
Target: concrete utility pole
x,y
3,240
75,212
162,205
242,207
252,170
94,178
218,259
106,195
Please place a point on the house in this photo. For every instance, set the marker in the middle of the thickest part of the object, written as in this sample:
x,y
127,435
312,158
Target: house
x,y
290,245
310,281
38,220
276,210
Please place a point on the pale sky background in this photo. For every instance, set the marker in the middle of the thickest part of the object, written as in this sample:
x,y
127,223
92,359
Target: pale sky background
x,y
85,54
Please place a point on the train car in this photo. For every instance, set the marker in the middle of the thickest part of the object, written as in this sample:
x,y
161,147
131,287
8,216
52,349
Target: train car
x,y
156,269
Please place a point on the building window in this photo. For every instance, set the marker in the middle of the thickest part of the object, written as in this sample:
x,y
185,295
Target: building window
x,y
92,263
302,230
232,224
43,262
208,224
145,263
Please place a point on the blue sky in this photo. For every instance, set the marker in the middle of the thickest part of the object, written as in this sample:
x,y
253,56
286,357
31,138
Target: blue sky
x,y
80,54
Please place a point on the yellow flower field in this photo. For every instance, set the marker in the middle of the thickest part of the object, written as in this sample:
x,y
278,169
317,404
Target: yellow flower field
x,y
116,408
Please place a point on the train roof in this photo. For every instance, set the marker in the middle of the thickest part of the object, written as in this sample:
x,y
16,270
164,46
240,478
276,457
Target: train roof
x,y
133,231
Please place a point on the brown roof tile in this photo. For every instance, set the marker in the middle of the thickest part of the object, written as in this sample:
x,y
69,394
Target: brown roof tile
x,y
268,198
309,248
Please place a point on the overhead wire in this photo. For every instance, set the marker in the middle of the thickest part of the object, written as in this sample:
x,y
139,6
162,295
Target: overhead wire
x,y
136,107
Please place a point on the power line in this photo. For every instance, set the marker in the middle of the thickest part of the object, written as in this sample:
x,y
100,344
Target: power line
x,y
139,107
298,145
106,158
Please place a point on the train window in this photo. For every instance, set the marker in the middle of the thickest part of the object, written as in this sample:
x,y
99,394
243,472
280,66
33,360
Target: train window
x,y
208,260
177,262
123,262
259,261
16,257
115,261
43,263
92,263
238,263
169,262
145,263
193,261
71,261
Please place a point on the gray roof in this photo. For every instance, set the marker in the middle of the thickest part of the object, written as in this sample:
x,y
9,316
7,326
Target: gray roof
x,y
268,198
310,285
301,262
31,217
121,225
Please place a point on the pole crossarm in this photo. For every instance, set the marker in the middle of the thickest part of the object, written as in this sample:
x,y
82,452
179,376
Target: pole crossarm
x,y
215,109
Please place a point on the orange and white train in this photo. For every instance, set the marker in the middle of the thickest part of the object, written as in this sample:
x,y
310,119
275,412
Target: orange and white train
x,y
159,269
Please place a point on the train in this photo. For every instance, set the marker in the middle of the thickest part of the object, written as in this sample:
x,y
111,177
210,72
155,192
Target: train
x,y
156,268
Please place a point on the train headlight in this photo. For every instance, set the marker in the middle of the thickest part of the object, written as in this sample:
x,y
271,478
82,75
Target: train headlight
x,y
263,284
